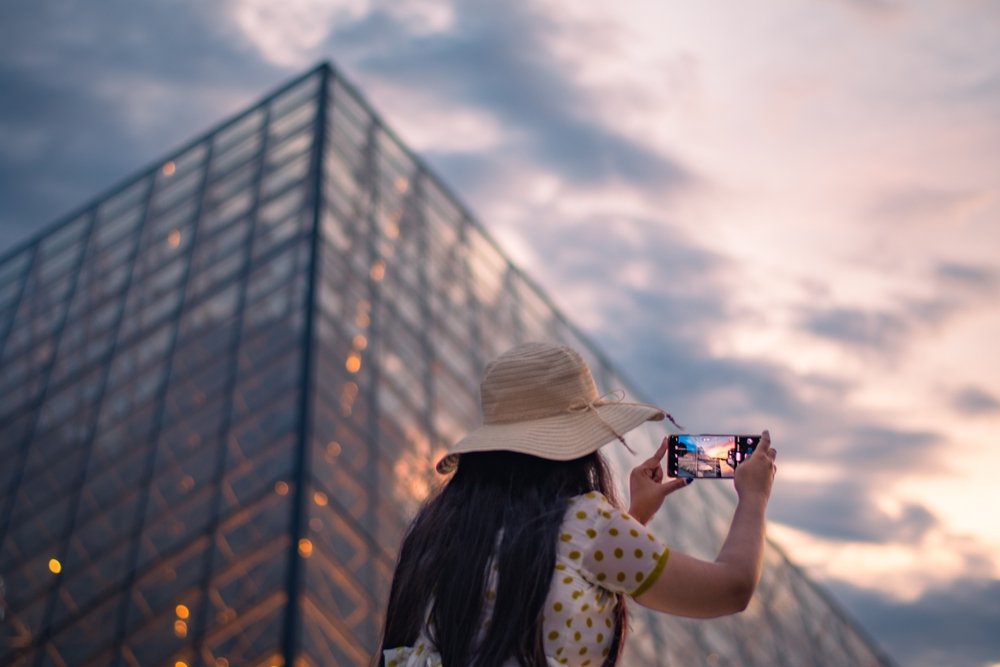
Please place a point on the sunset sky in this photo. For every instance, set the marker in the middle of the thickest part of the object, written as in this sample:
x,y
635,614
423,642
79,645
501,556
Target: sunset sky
x,y
774,214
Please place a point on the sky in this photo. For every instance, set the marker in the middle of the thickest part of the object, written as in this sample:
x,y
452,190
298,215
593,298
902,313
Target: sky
x,y
772,214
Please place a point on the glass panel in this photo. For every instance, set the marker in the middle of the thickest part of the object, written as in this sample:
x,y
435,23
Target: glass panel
x,y
67,236
234,183
342,187
134,392
288,174
277,211
58,265
234,138
338,600
12,269
85,581
488,267
251,637
105,276
177,192
87,635
168,529
208,279
289,123
169,233
225,211
180,166
216,247
54,456
168,598
288,149
301,94
120,214
280,306
209,313
162,640
323,641
183,470
107,505
9,292
347,105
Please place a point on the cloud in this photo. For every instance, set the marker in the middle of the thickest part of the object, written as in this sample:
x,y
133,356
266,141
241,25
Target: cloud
x,y
847,510
31,186
287,33
659,297
885,448
951,625
659,330
975,401
955,287
920,203
500,58
862,459
857,327
861,449
878,9
92,92
974,277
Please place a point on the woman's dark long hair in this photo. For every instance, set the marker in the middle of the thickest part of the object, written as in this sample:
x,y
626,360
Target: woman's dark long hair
x,y
503,502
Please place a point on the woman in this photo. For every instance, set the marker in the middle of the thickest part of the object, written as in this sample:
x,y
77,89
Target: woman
x,y
524,557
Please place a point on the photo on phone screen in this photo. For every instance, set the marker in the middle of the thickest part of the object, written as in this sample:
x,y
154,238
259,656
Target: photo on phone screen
x,y
707,455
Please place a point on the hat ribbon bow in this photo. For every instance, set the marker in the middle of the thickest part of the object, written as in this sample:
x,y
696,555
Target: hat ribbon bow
x,y
592,405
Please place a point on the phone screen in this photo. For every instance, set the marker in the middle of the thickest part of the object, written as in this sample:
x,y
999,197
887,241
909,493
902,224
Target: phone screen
x,y
707,455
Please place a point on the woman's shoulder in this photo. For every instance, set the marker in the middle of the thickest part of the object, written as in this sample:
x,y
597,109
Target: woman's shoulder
x,y
590,505
594,510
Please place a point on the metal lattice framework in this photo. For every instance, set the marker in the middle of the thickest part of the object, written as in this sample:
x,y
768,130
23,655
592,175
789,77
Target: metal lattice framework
x,y
222,386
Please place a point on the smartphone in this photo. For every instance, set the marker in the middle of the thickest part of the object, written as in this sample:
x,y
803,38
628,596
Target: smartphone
x,y
707,455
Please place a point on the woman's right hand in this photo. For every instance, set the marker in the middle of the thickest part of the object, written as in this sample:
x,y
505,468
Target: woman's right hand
x,y
693,587
755,475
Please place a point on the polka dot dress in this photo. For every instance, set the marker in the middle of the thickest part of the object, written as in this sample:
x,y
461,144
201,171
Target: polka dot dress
x,y
602,550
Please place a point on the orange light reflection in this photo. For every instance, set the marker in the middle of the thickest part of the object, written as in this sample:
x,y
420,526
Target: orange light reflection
x,y
305,547
353,363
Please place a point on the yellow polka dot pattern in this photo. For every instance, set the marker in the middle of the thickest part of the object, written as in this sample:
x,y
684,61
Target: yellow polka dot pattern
x,y
407,656
601,550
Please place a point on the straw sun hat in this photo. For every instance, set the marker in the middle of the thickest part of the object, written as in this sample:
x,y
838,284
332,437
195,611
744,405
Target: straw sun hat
x,y
541,399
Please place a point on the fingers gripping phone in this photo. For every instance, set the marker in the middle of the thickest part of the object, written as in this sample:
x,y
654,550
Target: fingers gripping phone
x,y
707,455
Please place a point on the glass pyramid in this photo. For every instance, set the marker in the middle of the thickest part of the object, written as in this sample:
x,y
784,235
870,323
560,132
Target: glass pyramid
x,y
222,388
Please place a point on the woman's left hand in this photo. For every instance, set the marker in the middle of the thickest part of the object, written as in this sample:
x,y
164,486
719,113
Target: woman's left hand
x,y
646,487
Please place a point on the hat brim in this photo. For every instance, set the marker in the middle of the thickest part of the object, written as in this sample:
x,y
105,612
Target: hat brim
x,y
561,437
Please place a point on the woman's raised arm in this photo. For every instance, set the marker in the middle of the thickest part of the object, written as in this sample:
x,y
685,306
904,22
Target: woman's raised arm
x,y
702,589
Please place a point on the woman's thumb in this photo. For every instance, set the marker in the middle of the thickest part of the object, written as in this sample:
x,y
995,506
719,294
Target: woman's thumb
x,y
674,485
